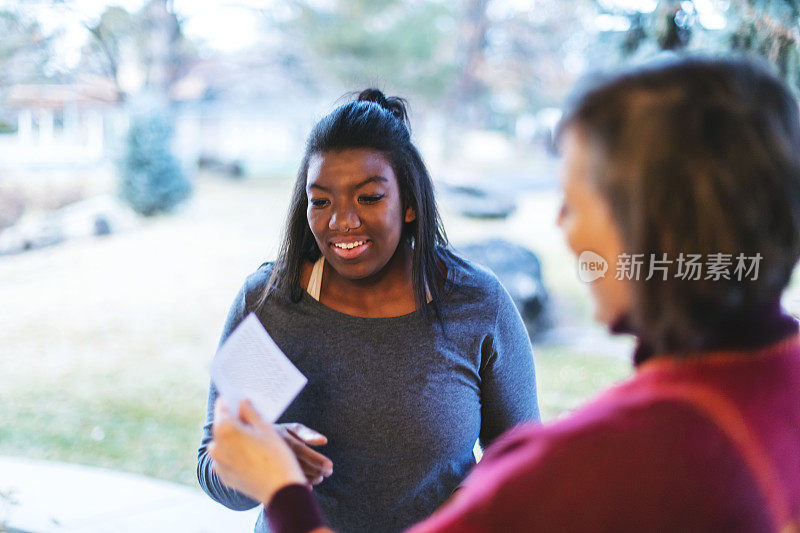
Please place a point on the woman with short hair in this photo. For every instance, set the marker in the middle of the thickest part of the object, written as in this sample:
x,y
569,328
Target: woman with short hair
x,y
689,156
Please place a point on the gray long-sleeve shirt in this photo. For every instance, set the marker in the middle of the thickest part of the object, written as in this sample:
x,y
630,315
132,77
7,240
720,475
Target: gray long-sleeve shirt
x,y
401,400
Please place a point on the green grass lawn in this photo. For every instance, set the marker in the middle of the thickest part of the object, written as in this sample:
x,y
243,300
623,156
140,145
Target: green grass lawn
x,y
136,429
566,379
153,427
105,343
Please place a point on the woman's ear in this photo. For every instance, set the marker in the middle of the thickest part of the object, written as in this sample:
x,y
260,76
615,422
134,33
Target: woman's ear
x,y
411,215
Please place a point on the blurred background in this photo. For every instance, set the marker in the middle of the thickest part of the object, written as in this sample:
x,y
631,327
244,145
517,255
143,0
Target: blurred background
x,y
147,150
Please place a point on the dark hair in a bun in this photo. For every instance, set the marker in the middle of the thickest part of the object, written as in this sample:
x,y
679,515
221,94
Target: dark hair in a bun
x,y
394,104
376,122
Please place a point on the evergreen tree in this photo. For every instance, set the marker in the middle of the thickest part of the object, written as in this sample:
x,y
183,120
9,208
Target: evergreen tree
x,y
152,180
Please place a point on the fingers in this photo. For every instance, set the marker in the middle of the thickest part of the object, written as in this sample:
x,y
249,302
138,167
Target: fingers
x,y
224,422
313,463
313,470
221,412
249,415
315,466
312,474
307,435
250,456
312,458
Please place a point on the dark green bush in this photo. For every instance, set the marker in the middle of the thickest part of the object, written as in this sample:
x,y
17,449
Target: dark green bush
x,y
152,179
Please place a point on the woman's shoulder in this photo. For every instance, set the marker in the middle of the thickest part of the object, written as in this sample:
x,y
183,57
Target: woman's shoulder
x,y
635,446
606,421
258,279
256,282
255,285
469,277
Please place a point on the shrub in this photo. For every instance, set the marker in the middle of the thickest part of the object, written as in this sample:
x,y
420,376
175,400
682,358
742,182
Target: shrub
x,y
152,179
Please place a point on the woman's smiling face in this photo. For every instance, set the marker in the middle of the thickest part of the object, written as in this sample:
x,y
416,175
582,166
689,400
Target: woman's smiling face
x,y
355,210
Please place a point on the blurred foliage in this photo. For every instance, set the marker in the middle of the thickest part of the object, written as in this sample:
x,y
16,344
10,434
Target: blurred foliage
x,y
673,25
474,61
149,41
769,29
152,180
485,63
103,54
25,50
364,39
7,127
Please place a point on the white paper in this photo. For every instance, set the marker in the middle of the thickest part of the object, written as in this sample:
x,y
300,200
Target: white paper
x,y
249,365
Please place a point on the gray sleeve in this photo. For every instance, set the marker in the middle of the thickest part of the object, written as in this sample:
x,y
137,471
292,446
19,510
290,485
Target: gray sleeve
x,y
208,479
508,379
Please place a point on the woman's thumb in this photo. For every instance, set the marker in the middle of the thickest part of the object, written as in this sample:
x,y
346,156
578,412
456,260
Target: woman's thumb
x,y
249,415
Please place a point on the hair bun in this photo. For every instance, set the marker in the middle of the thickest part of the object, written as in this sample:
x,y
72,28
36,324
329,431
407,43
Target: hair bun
x,y
373,95
393,104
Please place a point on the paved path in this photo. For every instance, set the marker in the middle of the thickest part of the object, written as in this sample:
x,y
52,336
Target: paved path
x,y
59,497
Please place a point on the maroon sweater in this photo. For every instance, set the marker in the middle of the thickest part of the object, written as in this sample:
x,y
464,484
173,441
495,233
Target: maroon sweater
x,y
706,444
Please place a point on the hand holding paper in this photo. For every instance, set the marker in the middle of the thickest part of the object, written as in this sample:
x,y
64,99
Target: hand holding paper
x,y
250,366
249,455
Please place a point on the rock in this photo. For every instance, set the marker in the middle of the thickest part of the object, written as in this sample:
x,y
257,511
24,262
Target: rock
x,y
31,233
100,215
232,168
477,202
519,270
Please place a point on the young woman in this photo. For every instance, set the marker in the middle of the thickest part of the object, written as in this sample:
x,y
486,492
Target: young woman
x,y
411,353
692,156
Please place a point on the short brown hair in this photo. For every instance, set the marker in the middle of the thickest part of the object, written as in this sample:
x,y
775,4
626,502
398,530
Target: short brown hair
x,y
696,155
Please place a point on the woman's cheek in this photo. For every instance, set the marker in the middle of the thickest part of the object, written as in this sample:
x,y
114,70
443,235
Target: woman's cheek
x,y
315,222
571,236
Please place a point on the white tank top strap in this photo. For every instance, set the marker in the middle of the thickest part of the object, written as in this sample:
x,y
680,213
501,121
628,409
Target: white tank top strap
x,y
315,281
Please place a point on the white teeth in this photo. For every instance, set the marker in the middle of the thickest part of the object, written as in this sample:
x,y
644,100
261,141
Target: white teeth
x,y
348,246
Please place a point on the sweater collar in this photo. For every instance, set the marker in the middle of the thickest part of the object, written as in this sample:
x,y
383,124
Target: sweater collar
x,y
747,331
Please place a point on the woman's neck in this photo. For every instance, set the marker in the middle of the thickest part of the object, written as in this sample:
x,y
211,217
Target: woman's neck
x,y
748,330
389,292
